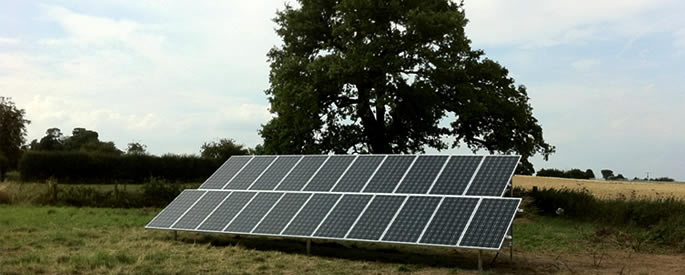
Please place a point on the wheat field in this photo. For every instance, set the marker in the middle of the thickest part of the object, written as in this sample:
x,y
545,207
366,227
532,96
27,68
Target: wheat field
x,y
606,189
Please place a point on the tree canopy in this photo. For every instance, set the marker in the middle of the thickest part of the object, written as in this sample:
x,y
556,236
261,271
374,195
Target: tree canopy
x,y
222,150
81,139
12,131
390,76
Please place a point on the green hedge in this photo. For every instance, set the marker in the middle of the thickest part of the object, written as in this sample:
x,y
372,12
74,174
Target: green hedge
x,y
107,168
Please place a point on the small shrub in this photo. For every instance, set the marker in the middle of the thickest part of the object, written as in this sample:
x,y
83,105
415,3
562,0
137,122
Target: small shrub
x,y
158,192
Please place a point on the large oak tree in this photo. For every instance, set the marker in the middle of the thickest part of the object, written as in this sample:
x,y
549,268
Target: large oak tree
x,y
391,76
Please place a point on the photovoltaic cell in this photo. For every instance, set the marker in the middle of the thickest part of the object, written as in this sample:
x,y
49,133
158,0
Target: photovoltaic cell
x,y
343,216
449,221
284,211
493,176
389,174
201,210
358,174
175,209
226,211
250,173
456,175
311,215
225,172
490,223
253,213
329,173
275,173
392,217
299,176
421,175
411,220
376,218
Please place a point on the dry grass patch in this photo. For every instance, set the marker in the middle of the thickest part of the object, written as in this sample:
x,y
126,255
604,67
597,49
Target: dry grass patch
x,y
606,189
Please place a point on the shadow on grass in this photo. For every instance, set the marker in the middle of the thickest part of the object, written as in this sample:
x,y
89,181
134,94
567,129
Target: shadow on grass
x,y
416,256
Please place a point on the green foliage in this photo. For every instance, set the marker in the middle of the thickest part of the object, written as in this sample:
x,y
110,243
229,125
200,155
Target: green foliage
x,y
81,140
158,192
391,77
570,174
222,150
12,130
607,174
4,167
77,166
136,148
663,219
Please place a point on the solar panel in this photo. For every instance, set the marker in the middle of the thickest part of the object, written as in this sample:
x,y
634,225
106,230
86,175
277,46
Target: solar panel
x,y
311,215
329,173
491,221
389,174
343,216
282,213
359,173
493,176
422,175
200,210
410,222
226,172
255,168
451,217
175,209
222,215
278,170
301,174
376,218
456,175
435,200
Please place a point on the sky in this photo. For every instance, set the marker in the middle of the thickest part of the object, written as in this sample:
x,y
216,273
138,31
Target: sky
x,y
606,78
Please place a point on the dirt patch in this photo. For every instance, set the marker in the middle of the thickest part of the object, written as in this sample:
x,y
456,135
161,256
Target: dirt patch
x,y
591,262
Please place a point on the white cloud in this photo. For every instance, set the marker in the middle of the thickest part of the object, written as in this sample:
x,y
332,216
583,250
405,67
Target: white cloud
x,y
679,39
541,23
585,64
9,41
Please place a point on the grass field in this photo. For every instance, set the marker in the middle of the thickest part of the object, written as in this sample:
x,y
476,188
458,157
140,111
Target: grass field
x,y
606,189
59,240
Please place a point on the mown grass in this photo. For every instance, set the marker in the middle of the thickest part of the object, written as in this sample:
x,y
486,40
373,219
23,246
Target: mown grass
x,y
48,239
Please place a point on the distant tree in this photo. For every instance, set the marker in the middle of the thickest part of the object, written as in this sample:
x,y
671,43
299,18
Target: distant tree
x,y
12,131
136,148
257,150
618,177
589,174
388,76
222,150
664,179
52,141
607,174
88,141
4,167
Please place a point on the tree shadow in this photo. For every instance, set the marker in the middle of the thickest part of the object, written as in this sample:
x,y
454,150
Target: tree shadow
x,y
356,251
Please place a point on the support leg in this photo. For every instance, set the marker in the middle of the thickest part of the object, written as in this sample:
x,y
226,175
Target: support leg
x,y
309,246
175,235
480,260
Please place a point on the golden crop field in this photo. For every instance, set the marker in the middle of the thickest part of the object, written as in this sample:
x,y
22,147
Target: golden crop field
x,y
606,189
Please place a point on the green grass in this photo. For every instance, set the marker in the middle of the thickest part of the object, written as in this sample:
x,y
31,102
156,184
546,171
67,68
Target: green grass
x,y
97,240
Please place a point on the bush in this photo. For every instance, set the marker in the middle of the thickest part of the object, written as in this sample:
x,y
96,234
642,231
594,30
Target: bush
x,y
663,219
158,192
109,168
570,174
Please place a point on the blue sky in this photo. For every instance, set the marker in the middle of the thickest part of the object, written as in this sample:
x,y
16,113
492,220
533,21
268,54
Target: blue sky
x,y
606,80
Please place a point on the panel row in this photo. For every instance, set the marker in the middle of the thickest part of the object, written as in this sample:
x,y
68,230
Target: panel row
x,y
400,174
425,220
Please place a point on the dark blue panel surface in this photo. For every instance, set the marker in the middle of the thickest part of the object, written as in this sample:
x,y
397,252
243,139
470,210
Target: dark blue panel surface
x,y
225,172
456,175
251,171
301,174
422,174
275,173
358,174
390,173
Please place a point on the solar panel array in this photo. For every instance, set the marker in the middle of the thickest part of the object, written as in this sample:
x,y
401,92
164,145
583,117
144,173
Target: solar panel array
x,y
435,200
